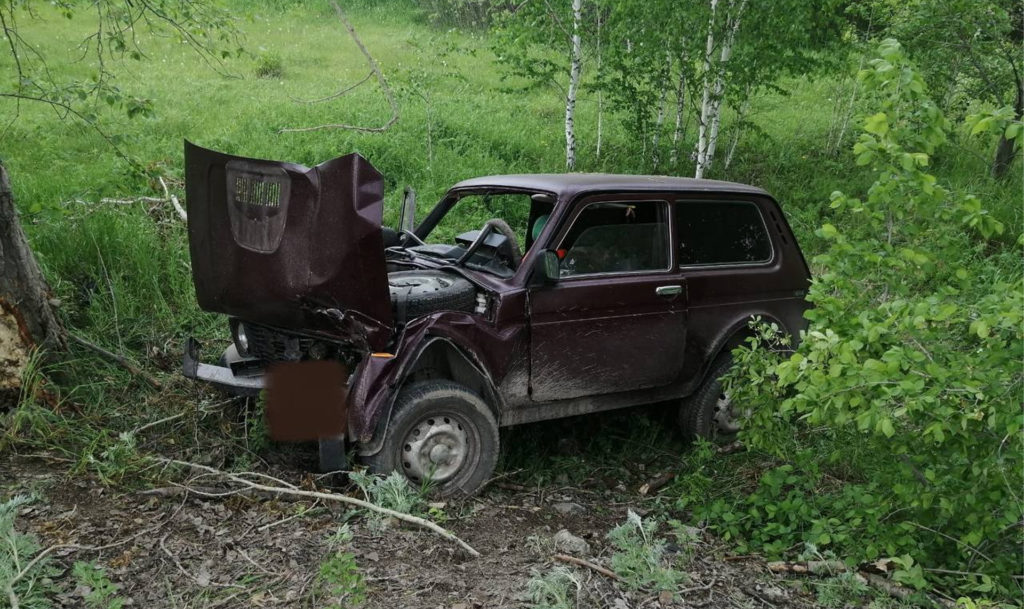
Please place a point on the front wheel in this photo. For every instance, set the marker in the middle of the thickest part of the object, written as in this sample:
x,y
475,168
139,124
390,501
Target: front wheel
x,y
710,413
441,434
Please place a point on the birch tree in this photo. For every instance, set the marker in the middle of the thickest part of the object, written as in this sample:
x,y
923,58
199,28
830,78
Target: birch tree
x,y
575,67
714,80
530,43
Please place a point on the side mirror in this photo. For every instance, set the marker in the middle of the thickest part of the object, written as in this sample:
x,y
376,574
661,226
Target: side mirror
x,y
545,268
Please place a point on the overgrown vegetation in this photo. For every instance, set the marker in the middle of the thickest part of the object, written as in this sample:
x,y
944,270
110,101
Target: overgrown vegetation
x,y
897,420
640,558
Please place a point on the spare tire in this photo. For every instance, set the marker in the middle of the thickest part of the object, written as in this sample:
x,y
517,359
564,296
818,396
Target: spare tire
x,y
415,293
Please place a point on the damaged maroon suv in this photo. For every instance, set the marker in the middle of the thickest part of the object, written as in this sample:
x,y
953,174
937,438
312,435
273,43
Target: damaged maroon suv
x,y
518,298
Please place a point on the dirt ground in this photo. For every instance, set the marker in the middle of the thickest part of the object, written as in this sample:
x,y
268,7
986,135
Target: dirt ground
x,y
176,549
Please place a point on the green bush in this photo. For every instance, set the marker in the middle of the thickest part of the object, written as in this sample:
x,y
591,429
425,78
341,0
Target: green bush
x,y
897,418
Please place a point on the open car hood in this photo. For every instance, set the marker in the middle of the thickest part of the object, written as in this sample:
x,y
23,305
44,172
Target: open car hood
x,y
290,246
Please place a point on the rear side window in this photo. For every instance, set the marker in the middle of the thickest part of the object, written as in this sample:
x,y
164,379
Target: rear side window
x,y
721,232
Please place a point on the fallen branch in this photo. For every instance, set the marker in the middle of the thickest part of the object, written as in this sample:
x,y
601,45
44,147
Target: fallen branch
x,y
174,201
122,361
810,567
334,95
655,485
832,567
128,201
375,69
286,489
572,560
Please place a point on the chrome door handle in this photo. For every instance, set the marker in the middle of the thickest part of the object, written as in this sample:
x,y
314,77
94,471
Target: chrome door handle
x,y
668,290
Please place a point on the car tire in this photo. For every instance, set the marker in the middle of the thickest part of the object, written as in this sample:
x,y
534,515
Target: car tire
x,y
415,293
443,434
708,413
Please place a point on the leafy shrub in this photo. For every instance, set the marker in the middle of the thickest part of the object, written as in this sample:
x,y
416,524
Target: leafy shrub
x,y
553,590
338,579
269,65
640,556
898,416
392,492
102,592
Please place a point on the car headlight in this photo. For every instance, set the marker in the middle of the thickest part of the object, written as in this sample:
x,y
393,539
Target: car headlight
x,y
241,340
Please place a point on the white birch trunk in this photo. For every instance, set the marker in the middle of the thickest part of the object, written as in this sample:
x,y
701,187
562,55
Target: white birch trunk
x,y
705,104
655,153
574,82
677,134
600,93
732,26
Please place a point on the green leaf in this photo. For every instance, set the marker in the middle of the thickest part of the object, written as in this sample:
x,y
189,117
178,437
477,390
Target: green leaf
x,y
877,124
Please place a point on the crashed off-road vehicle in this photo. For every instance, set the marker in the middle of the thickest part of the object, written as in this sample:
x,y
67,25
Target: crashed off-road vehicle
x,y
518,298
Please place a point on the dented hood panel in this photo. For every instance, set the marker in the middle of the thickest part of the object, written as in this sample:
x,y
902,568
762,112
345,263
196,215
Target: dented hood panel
x,y
289,246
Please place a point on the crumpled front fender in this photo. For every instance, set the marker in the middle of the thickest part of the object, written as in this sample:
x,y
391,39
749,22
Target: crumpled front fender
x,y
379,377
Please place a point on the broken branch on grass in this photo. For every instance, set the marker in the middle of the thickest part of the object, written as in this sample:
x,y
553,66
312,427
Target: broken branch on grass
x,y
572,560
653,486
280,487
832,567
334,95
375,69
174,201
118,359
812,567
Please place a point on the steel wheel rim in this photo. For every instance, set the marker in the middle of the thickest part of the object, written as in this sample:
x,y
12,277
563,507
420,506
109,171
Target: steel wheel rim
x,y
724,416
437,448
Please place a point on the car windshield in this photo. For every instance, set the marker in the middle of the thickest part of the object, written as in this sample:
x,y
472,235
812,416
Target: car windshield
x,y
471,211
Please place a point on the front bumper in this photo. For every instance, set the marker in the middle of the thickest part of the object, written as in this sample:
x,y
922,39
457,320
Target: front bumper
x,y
221,376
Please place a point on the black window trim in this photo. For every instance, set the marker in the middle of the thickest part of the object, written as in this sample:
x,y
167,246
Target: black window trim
x,y
665,203
705,265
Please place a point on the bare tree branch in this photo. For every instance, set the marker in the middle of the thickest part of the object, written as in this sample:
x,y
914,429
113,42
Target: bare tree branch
x,y
334,95
375,69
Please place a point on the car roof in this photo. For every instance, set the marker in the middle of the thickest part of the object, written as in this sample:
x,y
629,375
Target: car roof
x,y
565,185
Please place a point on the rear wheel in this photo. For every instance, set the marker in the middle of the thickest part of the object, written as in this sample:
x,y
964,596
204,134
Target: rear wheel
x,y
710,413
443,434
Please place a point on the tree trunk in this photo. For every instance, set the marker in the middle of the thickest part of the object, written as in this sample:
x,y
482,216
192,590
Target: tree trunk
x,y
705,104
574,83
680,129
718,95
1006,150
655,153
26,316
600,96
741,115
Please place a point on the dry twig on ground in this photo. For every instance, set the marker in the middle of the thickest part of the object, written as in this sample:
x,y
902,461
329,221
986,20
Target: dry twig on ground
x,y
118,359
572,560
280,487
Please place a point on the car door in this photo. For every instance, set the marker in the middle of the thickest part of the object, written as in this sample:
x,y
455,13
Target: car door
x,y
616,318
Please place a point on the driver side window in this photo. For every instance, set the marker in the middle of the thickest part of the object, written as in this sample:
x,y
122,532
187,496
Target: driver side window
x,y
616,237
